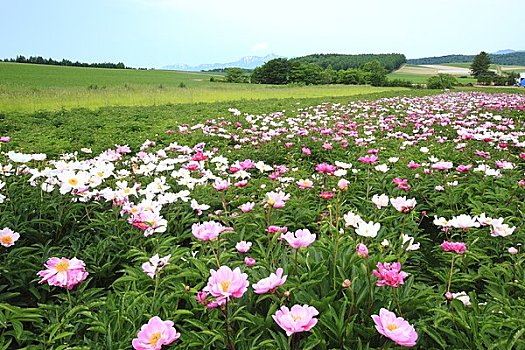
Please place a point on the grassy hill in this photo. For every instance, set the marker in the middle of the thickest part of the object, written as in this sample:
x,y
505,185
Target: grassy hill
x,y
27,87
513,58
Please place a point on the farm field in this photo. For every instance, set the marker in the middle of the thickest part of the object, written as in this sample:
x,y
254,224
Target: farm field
x,y
289,224
29,88
420,73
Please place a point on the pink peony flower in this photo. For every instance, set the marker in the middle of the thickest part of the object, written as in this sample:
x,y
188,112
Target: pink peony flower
x,y
325,168
362,250
403,205
368,159
5,139
458,247
243,246
306,150
249,261
221,185
63,272
155,264
8,237
303,184
389,274
299,238
276,229
154,334
395,328
276,199
269,284
247,207
208,230
297,319
225,283
326,195
343,184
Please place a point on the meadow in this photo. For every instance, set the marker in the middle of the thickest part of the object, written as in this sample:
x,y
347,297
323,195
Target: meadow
x,y
351,222
30,88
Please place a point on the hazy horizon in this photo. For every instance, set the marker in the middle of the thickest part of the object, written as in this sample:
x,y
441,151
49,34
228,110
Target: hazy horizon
x,y
157,33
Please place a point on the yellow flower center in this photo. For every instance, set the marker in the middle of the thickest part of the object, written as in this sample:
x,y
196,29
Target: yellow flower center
x,y
392,326
62,266
100,174
297,317
154,339
225,285
6,240
73,181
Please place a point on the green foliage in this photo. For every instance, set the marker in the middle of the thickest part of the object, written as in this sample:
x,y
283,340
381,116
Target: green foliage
x,y
236,75
442,81
343,62
480,65
513,58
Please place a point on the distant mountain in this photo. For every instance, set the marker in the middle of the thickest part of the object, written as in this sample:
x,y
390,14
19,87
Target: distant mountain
x,y
248,62
502,52
512,58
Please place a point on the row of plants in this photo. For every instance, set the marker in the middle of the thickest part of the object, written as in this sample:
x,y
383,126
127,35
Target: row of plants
x,y
367,225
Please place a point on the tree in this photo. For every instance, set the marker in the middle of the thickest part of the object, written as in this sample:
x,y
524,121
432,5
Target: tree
x,y
441,81
480,65
235,75
376,73
276,71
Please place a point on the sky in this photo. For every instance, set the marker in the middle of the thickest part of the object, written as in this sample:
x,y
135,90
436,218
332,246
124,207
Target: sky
x,y
156,33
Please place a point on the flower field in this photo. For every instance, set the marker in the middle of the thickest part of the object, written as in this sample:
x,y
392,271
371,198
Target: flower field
x,y
369,225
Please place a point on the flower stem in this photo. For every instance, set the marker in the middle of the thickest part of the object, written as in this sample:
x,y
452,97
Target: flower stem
x,y
227,326
295,263
450,275
215,255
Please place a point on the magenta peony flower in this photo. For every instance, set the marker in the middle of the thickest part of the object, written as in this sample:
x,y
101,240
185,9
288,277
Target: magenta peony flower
x,y
8,237
249,261
207,230
225,283
269,284
299,238
389,274
362,250
154,334
63,272
298,319
395,328
458,247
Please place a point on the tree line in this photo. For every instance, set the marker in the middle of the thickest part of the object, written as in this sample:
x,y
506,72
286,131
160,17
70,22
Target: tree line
x,y
391,61
513,58
65,62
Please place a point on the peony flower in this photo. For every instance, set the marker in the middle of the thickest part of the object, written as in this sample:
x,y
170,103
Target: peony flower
x,y
369,229
458,247
243,246
297,319
352,219
225,283
380,201
249,261
342,184
403,205
362,250
299,238
155,264
8,237
154,334
305,183
208,230
276,199
463,222
390,274
269,284
395,328
247,207
63,272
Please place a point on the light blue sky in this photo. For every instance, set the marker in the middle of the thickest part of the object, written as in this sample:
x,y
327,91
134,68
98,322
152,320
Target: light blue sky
x,y
155,33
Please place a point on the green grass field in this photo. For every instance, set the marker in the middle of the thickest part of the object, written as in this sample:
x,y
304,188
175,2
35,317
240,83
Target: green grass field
x,y
27,88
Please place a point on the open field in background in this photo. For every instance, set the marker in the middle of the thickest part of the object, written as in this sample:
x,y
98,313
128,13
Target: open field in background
x,y
28,88
510,68
420,73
